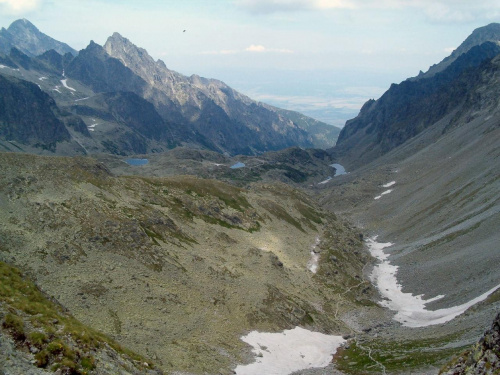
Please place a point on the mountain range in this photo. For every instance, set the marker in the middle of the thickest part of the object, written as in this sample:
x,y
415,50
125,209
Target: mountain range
x,y
107,84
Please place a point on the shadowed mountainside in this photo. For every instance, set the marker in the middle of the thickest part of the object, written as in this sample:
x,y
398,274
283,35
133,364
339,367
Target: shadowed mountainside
x,y
407,109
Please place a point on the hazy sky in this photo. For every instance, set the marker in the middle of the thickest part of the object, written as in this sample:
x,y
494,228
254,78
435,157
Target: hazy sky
x,y
323,57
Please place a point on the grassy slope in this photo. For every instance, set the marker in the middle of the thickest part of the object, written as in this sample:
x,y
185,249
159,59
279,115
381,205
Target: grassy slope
x,y
57,340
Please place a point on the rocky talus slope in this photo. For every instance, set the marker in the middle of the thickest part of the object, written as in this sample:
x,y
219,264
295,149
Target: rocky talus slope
x,y
177,269
483,358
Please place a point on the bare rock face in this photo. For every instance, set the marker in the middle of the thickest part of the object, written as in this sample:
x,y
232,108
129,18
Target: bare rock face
x,y
483,358
23,35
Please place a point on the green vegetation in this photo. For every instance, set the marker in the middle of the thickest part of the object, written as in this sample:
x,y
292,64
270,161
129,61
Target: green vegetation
x,y
61,340
309,213
280,213
396,356
232,196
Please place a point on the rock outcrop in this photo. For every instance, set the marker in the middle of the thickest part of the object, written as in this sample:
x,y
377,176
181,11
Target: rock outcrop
x,y
483,358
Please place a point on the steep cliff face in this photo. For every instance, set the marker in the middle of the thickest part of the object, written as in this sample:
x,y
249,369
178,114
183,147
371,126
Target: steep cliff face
x,y
407,109
27,115
95,68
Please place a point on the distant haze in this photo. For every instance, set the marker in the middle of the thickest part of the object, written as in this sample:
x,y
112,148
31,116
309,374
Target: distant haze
x,y
323,58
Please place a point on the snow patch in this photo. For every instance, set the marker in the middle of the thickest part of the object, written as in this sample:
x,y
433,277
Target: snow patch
x,y
57,89
383,193
2,66
410,309
65,84
389,184
91,127
42,78
289,351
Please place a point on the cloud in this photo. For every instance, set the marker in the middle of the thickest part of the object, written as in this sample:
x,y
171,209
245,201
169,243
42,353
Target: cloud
x,y
253,48
260,48
444,11
272,6
19,6
275,6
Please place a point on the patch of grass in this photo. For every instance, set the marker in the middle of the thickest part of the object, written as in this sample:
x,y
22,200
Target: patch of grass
x,y
395,356
309,213
232,196
59,337
37,339
15,325
280,213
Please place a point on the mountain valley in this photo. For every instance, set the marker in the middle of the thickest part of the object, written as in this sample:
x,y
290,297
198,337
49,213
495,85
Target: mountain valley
x,y
172,216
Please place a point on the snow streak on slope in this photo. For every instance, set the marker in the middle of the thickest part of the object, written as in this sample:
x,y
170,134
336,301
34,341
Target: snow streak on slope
x,y
411,310
383,193
65,84
389,184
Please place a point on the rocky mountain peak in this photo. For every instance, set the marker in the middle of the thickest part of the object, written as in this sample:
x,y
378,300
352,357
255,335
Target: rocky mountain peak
x,y
123,49
134,57
488,33
23,25
26,37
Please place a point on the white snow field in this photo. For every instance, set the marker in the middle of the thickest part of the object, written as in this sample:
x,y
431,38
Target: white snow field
x,y
389,184
411,310
289,351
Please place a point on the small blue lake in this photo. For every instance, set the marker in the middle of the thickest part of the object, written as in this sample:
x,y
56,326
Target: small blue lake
x,y
238,165
137,161
339,170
